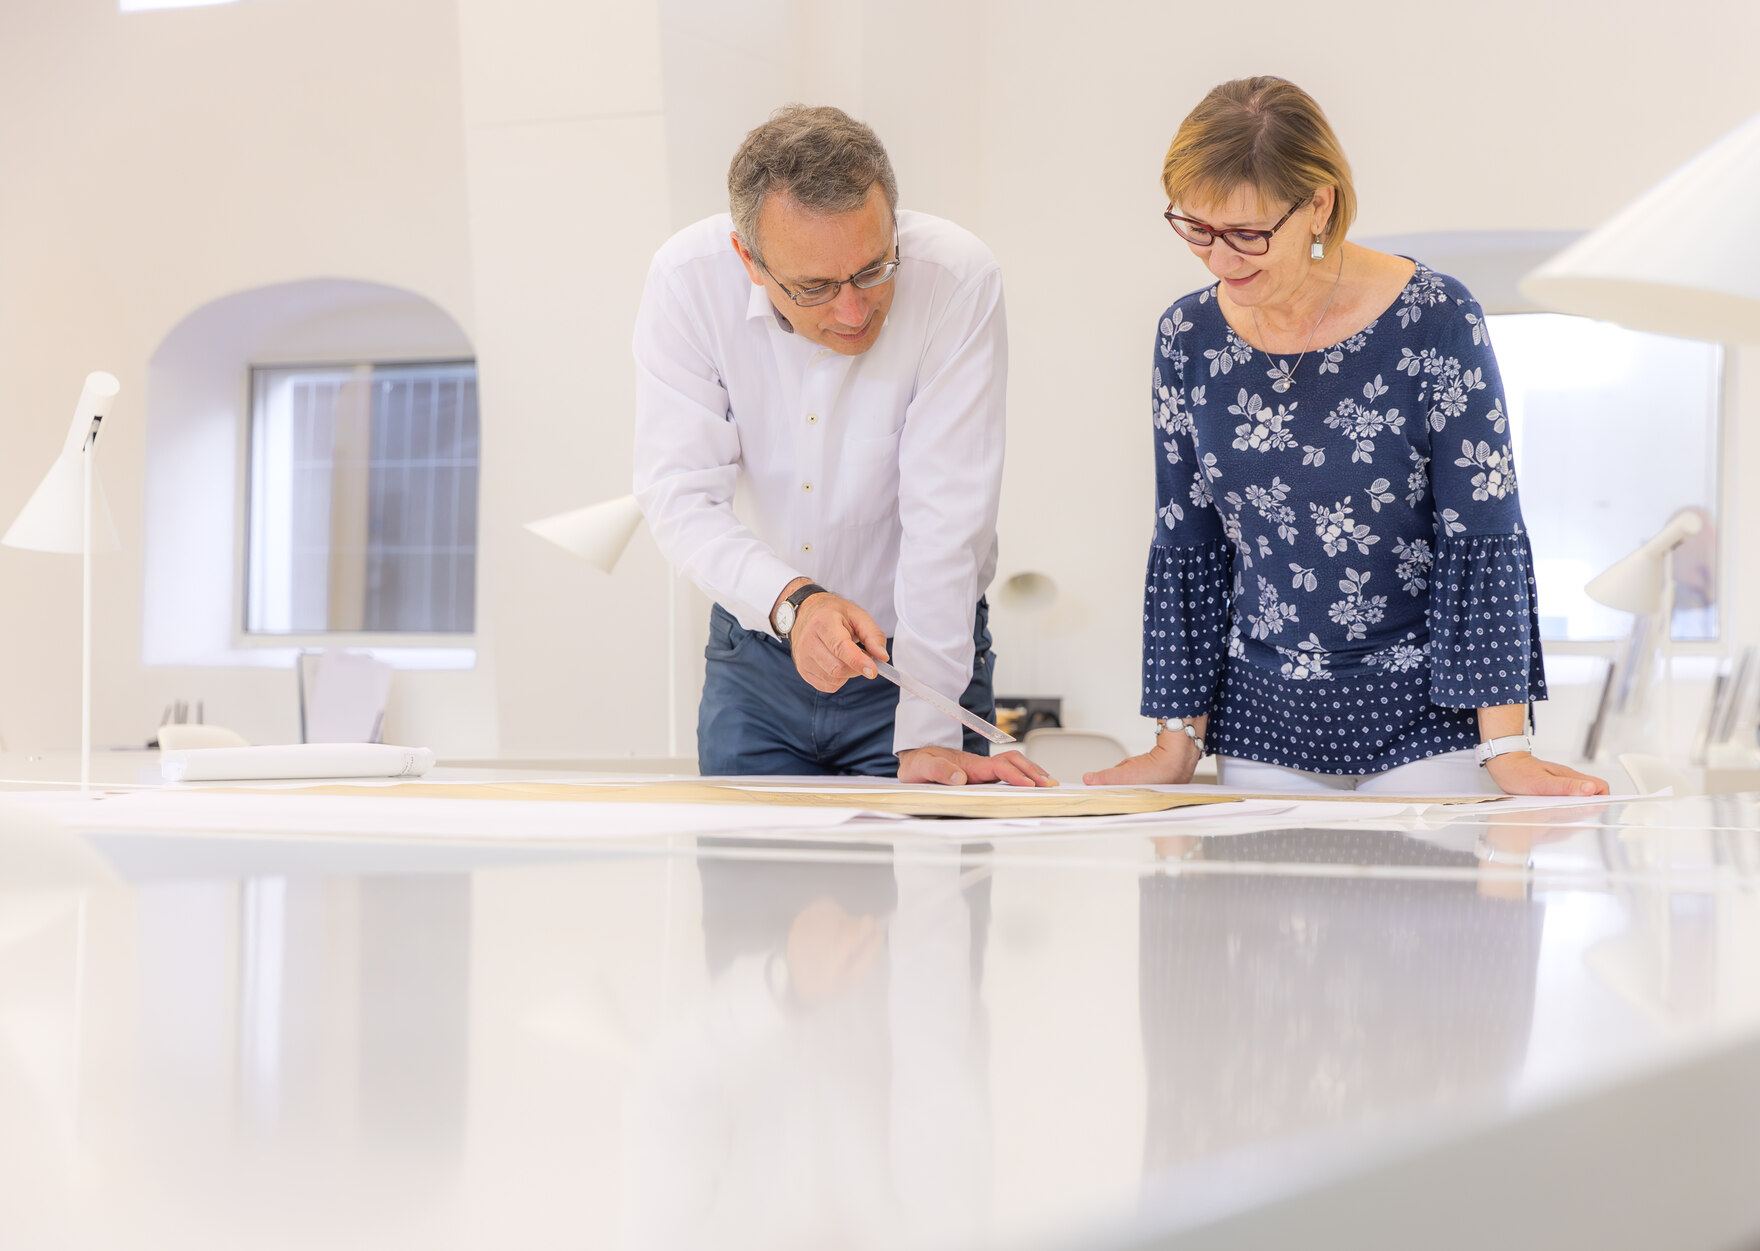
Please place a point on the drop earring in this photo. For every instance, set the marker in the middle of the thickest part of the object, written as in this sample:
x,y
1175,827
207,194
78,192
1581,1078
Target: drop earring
x,y
1318,251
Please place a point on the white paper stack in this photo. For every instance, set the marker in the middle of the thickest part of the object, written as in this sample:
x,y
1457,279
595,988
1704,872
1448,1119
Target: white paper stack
x,y
297,760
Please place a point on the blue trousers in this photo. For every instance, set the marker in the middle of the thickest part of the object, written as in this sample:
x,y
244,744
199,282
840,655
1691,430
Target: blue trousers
x,y
759,716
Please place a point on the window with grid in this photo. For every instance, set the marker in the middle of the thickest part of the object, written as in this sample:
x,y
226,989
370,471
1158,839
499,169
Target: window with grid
x,y
363,499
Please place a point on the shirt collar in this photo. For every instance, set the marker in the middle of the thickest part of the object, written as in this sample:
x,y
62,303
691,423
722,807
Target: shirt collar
x,y
760,304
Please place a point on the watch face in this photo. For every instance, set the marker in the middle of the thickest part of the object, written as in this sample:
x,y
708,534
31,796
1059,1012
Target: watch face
x,y
784,618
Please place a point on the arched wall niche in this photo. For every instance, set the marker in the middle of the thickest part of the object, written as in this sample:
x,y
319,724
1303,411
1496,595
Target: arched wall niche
x,y
197,407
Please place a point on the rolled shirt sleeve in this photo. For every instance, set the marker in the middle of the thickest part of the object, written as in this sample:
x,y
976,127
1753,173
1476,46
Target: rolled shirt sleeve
x,y
1484,613
950,481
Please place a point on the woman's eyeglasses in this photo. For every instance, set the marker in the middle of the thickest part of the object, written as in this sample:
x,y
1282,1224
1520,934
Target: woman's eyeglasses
x,y
1248,242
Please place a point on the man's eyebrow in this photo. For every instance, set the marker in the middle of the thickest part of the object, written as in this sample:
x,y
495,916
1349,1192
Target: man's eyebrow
x,y
819,282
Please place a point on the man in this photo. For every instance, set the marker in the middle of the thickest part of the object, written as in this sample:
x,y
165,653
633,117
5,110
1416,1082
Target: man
x,y
842,364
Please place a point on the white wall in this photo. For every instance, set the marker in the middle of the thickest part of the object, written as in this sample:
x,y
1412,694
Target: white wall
x,y
151,163
516,163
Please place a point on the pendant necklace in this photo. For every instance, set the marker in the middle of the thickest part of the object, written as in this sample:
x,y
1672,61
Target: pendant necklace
x,y
1283,377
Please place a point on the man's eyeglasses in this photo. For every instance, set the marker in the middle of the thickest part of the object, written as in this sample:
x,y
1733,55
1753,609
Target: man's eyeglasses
x,y
825,292
1202,234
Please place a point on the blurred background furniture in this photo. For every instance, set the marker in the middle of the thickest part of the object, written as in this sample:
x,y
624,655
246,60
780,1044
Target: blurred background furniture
x,y
179,737
1067,754
342,697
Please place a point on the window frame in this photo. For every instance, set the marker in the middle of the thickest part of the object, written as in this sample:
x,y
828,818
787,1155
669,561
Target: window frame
x,y
1717,645
446,650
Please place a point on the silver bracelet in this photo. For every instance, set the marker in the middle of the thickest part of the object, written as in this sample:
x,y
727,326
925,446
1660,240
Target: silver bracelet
x,y
1181,725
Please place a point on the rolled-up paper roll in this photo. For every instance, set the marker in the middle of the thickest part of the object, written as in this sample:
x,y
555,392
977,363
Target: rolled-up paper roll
x,y
297,760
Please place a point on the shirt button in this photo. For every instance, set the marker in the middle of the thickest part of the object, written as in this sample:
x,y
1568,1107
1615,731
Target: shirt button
x,y
806,486
812,419
806,547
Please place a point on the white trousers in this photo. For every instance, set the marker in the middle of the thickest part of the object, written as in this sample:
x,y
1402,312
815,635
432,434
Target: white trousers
x,y
1453,773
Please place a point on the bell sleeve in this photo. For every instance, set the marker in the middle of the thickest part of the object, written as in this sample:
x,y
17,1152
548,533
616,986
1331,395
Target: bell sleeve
x,y
1484,613
1186,589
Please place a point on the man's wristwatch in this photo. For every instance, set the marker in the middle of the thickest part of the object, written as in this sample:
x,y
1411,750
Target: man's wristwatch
x,y
790,608
1179,725
1491,748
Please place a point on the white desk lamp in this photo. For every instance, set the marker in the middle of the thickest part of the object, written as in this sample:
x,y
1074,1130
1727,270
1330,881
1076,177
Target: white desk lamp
x,y
68,513
599,534
1682,259
1643,582
1031,594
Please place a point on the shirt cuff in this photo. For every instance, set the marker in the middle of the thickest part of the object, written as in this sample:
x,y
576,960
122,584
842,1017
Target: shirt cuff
x,y
918,725
756,589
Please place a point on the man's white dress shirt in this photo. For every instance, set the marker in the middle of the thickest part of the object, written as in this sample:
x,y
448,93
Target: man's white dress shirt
x,y
761,457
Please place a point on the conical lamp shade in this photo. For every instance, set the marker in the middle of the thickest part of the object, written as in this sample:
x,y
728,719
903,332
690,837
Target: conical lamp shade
x,y
1634,583
1683,259
50,521
597,534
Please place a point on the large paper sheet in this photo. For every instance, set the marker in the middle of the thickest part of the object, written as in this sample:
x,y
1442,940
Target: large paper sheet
x,y
270,813
1007,802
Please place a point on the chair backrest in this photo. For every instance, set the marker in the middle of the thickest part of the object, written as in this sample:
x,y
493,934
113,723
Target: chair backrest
x,y
1067,754
342,697
1652,773
174,737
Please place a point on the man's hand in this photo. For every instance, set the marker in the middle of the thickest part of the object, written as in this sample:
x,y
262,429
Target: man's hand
x,y
829,951
956,768
833,640
1519,773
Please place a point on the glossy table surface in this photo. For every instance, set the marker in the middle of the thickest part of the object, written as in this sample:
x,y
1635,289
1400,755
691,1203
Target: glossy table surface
x,y
1438,1029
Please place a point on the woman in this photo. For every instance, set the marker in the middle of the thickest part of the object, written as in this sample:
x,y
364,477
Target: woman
x,y
1340,591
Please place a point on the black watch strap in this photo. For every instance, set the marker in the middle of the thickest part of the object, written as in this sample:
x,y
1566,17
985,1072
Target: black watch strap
x,y
801,596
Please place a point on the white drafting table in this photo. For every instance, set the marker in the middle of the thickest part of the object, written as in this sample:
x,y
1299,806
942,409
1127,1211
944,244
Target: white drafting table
x,y
1362,1036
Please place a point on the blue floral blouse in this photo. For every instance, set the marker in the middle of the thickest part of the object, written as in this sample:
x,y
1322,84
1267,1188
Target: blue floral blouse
x,y
1339,575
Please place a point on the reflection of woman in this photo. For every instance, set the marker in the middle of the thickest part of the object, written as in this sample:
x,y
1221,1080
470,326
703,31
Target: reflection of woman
x,y
1273,1005
1340,584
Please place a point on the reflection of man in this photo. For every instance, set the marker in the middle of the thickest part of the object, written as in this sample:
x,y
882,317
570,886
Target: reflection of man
x,y
843,363
828,1088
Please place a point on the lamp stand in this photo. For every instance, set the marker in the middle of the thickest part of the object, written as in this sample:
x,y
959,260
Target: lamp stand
x,y
1667,651
85,656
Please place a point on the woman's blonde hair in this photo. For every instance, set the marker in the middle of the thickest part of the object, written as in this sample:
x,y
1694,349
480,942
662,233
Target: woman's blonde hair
x,y
1269,134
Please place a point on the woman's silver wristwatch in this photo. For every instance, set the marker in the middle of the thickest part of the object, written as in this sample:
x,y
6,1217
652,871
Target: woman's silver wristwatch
x,y
1491,748
1179,725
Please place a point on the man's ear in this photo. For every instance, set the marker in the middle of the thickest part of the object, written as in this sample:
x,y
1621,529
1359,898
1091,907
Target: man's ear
x,y
746,259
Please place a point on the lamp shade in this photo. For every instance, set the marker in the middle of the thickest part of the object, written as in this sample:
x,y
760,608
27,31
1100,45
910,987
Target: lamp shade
x,y
51,518
1634,583
597,534
1029,590
1682,259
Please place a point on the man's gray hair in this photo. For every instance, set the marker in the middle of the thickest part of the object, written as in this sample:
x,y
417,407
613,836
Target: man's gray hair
x,y
820,157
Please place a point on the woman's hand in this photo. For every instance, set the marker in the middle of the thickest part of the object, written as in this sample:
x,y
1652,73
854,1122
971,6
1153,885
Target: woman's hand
x,y
1169,762
1521,773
